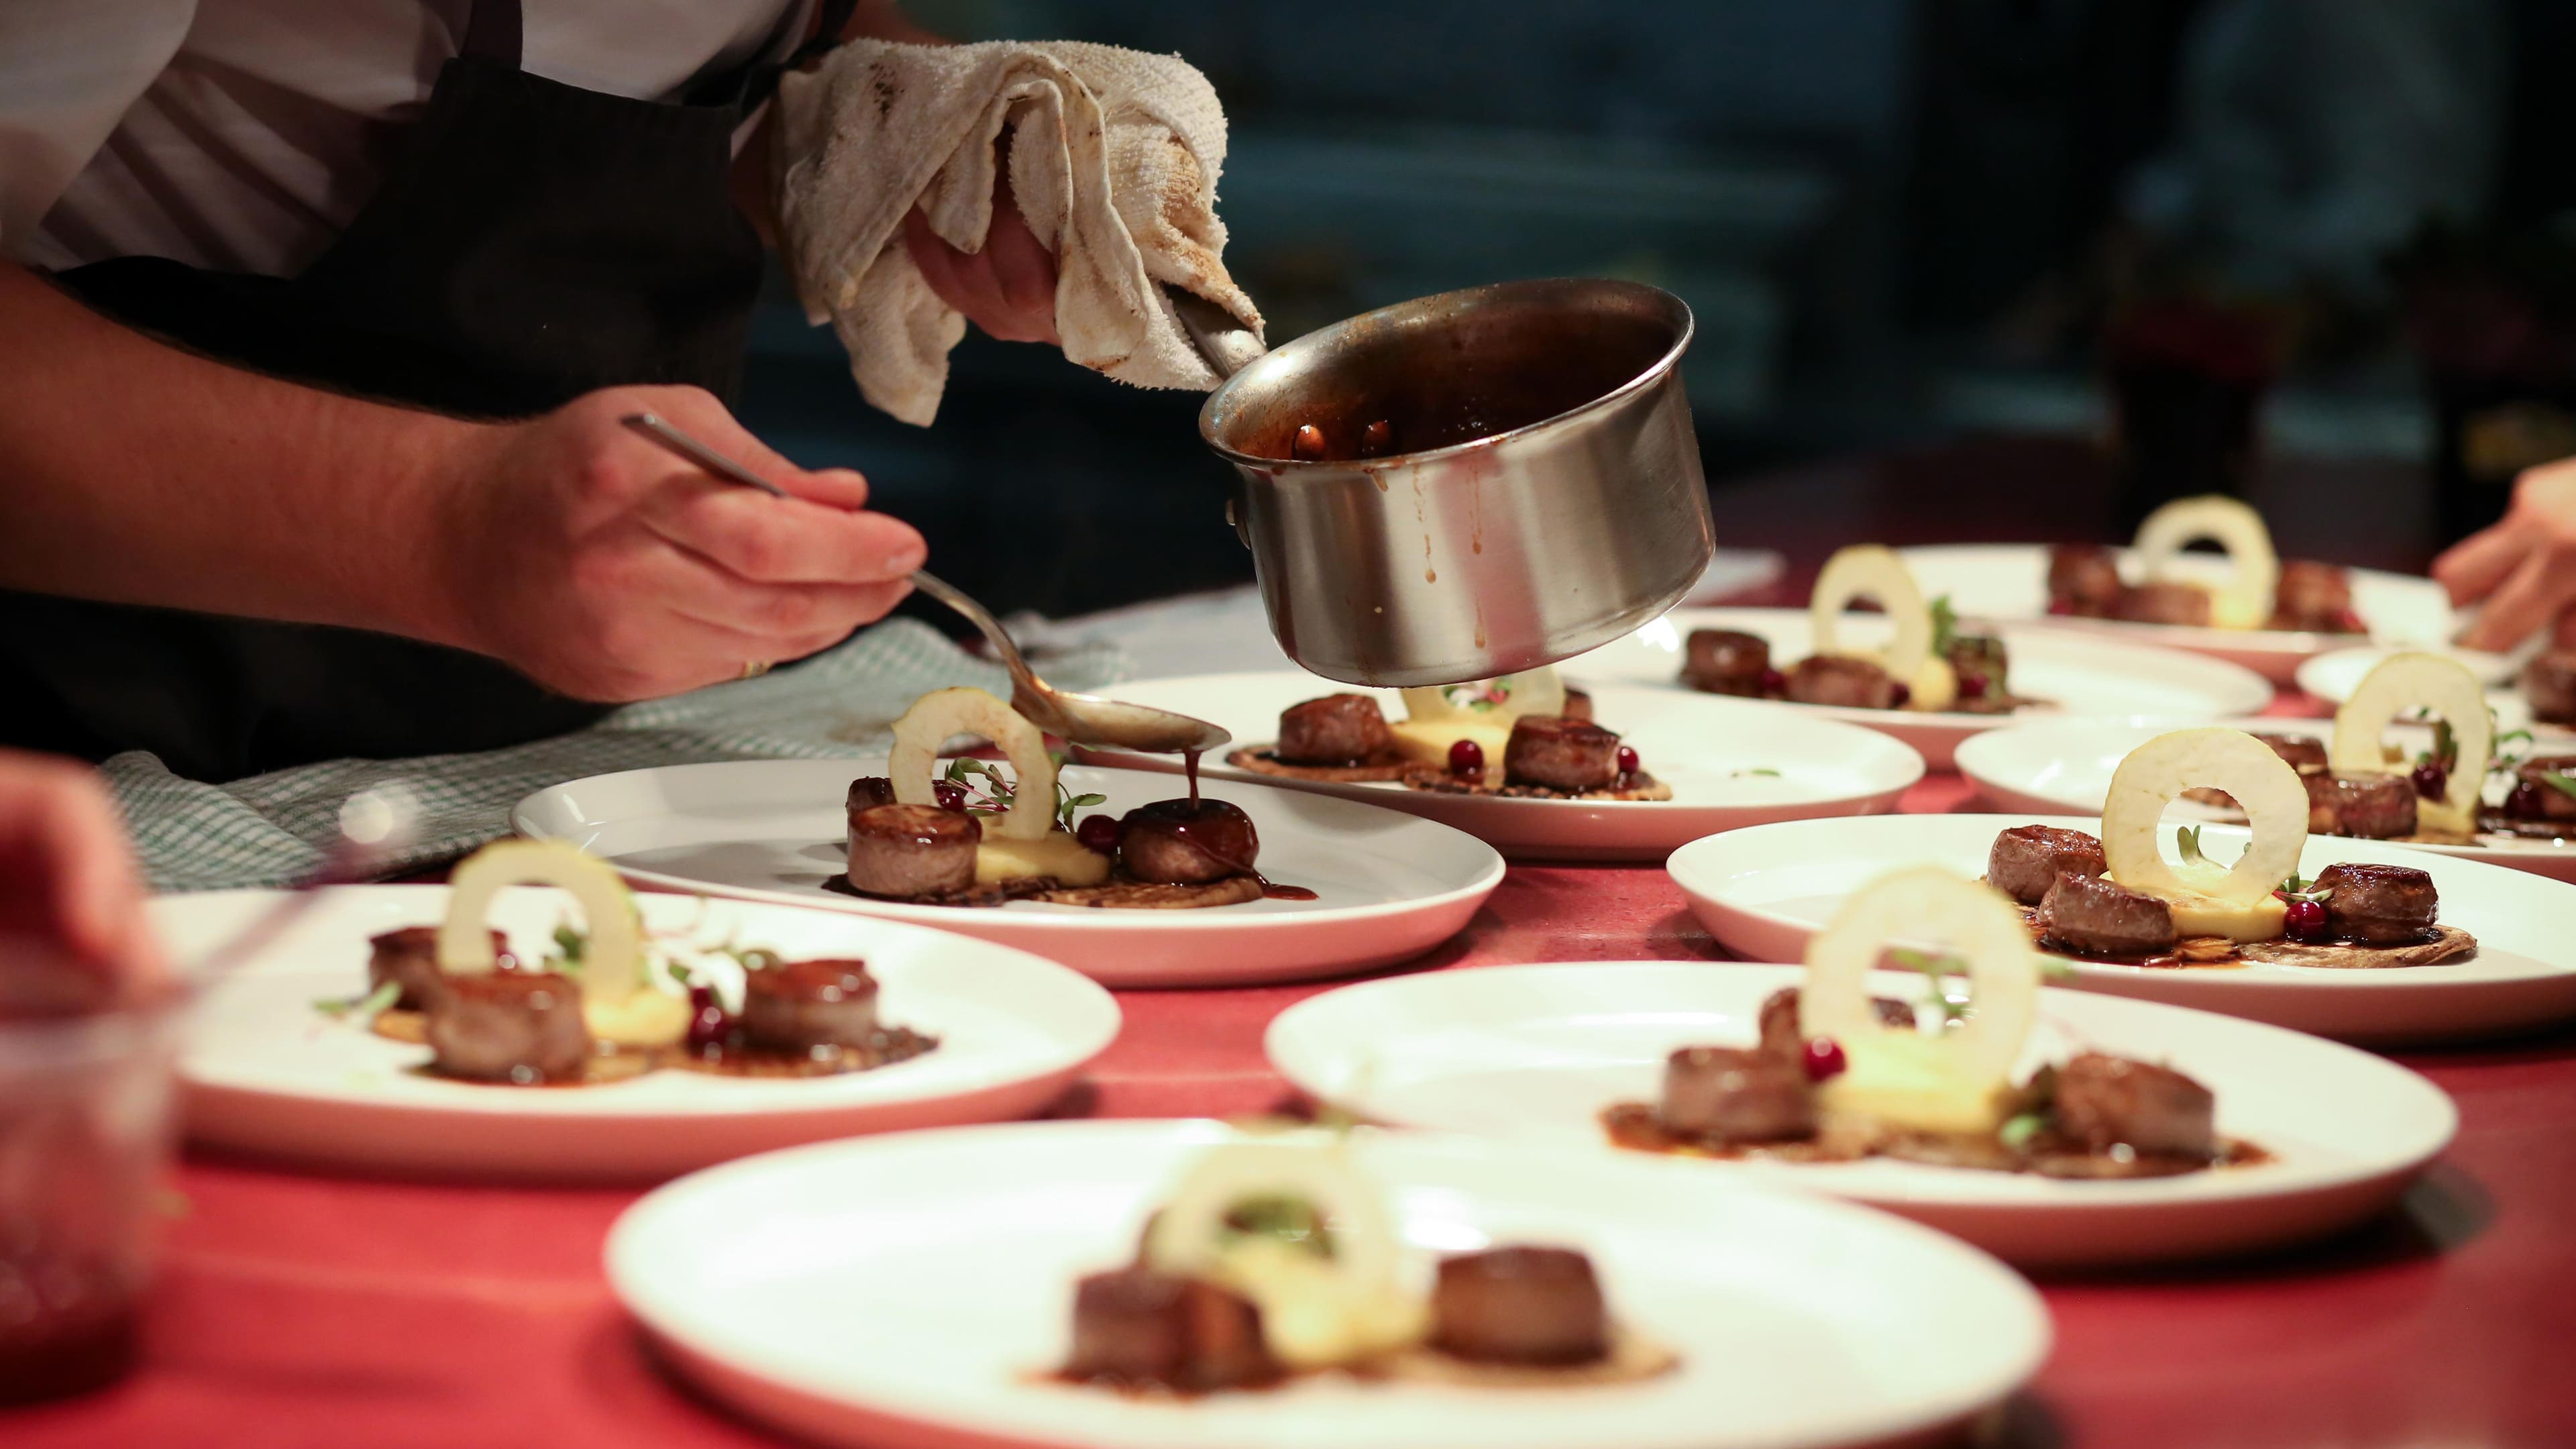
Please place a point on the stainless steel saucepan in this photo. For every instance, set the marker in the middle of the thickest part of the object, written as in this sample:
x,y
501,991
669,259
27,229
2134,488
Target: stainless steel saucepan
x,y
1531,488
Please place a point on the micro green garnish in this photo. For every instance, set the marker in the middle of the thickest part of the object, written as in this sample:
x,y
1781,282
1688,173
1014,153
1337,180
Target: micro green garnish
x,y
1756,770
2016,1134
1945,626
2446,748
363,1008
1937,968
569,946
2297,888
1292,1220
2187,844
2052,969
2562,783
999,793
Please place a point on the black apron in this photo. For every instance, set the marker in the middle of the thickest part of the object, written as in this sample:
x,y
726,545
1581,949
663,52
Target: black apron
x,y
534,241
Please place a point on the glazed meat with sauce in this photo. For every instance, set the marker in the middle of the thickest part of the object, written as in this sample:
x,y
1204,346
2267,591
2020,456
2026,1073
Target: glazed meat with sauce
x,y
869,791
1780,1030
2314,596
1138,1326
1176,842
2106,1101
913,850
2304,754
1735,1094
2379,905
1338,729
1979,662
800,1007
2084,578
1520,1305
2366,807
1560,754
2535,798
1726,661
2096,914
2163,603
410,956
1833,679
2549,682
1578,705
510,1026
2026,859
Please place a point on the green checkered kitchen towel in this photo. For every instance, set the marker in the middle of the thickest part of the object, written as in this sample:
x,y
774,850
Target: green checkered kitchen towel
x,y
270,829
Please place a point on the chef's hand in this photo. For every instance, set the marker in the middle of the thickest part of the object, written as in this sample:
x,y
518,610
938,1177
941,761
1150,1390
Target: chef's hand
x,y
608,569
1008,288
67,880
2524,567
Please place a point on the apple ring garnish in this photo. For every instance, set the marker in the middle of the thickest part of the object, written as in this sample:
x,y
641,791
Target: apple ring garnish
x,y
615,1003
943,714
1870,571
2245,600
2263,785
2420,681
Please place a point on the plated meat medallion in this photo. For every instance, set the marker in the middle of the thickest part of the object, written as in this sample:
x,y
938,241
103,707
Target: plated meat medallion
x,y
2260,592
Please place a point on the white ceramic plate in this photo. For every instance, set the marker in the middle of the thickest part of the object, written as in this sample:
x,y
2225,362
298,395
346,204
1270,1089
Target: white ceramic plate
x,y
2084,678
2009,582
1538,1051
2065,769
1763,892
1706,747
1388,886
267,1072
2333,677
916,1290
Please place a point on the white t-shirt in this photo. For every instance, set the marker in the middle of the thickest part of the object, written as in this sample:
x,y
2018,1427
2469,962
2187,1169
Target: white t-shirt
x,y
243,135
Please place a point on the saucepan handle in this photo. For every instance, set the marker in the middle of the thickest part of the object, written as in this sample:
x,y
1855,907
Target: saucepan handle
x,y
1228,345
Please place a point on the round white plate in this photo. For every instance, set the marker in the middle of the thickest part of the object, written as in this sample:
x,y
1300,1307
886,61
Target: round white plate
x,y
1763,892
1708,748
2335,674
267,1072
2065,769
2084,678
916,1290
1539,1051
2009,582
1388,886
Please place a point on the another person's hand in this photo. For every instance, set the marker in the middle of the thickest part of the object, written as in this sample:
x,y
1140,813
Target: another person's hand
x,y
2524,567
1008,288
609,569
67,879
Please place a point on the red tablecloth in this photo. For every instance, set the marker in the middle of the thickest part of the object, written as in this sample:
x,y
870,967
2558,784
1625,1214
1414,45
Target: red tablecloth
x,y
301,1310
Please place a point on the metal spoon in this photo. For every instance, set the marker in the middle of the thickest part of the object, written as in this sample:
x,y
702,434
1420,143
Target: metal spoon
x,y
1083,719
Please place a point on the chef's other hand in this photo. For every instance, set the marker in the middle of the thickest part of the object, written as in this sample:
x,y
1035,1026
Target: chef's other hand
x,y
1008,288
67,880
2524,567
607,568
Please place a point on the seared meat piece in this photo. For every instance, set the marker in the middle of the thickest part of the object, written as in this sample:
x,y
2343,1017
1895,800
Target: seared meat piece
x,y
869,791
2097,914
2306,755
1726,661
2163,603
510,1026
1780,1018
802,1006
1735,1094
1520,1305
2315,596
1560,753
2366,807
1338,729
1833,679
2025,860
410,956
1578,705
913,850
2379,905
2534,798
1138,1326
2083,578
2103,1101
1979,662
2549,682
1181,843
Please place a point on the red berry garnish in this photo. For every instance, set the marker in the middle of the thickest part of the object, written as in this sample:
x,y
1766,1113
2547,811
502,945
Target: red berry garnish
x,y
1098,833
2348,622
1627,759
1972,686
2061,606
1823,1057
2526,802
2306,921
1466,757
1774,682
708,1024
2430,780
1904,696
949,794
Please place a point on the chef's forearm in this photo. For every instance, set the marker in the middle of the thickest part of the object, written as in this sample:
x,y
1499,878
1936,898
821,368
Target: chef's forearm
x,y
136,472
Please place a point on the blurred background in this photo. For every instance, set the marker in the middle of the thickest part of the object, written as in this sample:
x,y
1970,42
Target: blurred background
x,y
2019,268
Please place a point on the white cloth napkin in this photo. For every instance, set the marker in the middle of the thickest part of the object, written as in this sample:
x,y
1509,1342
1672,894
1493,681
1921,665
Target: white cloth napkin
x,y
1114,157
